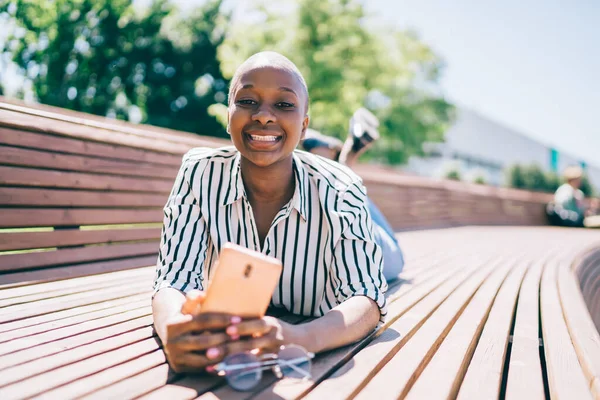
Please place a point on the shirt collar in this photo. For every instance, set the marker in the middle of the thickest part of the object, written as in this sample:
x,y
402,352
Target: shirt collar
x,y
236,190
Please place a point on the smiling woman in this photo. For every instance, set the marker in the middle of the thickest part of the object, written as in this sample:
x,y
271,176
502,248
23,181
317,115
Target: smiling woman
x,y
309,212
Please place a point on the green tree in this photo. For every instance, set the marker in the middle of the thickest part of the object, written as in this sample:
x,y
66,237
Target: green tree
x,y
108,57
515,177
535,178
453,175
347,65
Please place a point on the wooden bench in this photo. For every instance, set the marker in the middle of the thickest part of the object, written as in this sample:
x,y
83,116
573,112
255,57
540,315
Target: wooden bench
x,y
478,312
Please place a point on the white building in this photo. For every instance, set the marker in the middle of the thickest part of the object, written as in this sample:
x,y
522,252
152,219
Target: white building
x,y
479,147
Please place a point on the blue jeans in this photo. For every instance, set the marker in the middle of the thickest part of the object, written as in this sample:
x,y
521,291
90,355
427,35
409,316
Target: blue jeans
x,y
393,260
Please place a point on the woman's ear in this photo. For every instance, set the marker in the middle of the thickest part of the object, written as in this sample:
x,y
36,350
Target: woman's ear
x,y
227,129
304,126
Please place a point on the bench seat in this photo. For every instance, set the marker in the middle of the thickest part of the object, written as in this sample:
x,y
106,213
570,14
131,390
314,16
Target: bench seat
x,y
493,311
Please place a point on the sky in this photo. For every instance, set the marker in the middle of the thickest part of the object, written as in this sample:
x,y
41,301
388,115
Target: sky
x,y
530,65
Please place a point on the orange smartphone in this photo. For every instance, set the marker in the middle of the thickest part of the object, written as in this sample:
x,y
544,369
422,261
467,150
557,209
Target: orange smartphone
x,y
242,283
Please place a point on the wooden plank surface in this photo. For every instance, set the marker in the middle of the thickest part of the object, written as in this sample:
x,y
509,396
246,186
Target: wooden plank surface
x,y
35,197
411,314
584,335
27,217
61,144
74,237
565,375
92,336
525,379
17,279
395,378
47,178
17,156
17,262
444,374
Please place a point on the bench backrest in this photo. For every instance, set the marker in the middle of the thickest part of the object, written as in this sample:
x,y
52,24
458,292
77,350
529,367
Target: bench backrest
x,y
82,192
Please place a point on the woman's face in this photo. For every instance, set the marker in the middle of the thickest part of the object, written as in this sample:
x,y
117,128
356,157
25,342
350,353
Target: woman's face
x,y
267,115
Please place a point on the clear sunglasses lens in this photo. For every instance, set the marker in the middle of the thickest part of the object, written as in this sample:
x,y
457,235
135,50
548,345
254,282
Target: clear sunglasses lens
x,y
247,375
294,362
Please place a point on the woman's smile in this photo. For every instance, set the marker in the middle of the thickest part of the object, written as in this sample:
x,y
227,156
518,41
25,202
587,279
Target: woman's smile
x,y
262,139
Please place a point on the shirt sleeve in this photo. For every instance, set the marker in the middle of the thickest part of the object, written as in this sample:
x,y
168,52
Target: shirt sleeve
x,y
184,238
358,259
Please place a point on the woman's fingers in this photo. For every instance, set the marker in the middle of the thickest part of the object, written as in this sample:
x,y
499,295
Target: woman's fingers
x,y
192,363
199,342
267,342
254,327
185,324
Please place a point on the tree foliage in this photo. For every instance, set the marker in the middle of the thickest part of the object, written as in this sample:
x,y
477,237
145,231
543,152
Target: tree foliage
x,y
348,64
108,57
532,177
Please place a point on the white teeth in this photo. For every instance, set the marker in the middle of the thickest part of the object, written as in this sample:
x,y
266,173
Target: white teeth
x,y
264,138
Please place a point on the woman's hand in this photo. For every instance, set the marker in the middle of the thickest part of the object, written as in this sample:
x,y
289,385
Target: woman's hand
x,y
190,339
191,342
266,334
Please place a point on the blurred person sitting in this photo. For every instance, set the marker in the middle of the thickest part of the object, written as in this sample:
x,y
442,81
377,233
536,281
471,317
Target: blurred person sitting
x,y
362,133
568,207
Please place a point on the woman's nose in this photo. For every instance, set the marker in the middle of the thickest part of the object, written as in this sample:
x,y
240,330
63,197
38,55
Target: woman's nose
x,y
264,115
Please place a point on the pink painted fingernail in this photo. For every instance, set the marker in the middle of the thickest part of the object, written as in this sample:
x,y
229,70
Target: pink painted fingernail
x,y
210,368
232,330
213,352
236,320
235,337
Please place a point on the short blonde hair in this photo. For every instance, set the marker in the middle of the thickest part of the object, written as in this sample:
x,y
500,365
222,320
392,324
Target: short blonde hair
x,y
573,172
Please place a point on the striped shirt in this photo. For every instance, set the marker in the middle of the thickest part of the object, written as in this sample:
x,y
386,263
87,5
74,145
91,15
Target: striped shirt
x,y
323,236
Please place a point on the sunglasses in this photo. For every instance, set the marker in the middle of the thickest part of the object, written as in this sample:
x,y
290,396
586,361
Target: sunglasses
x,y
243,371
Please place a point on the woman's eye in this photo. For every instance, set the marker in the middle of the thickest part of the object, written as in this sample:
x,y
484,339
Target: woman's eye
x,y
283,104
246,102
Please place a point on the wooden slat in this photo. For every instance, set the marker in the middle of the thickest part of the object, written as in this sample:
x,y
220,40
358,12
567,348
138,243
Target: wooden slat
x,y
61,144
63,318
160,143
17,279
40,384
49,302
18,312
484,374
73,283
78,335
565,376
136,386
584,335
405,316
133,302
444,373
399,373
73,237
102,378
24,197
34,158
525,378
35,367
46,259
87,126
17,176
25,217
51,294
